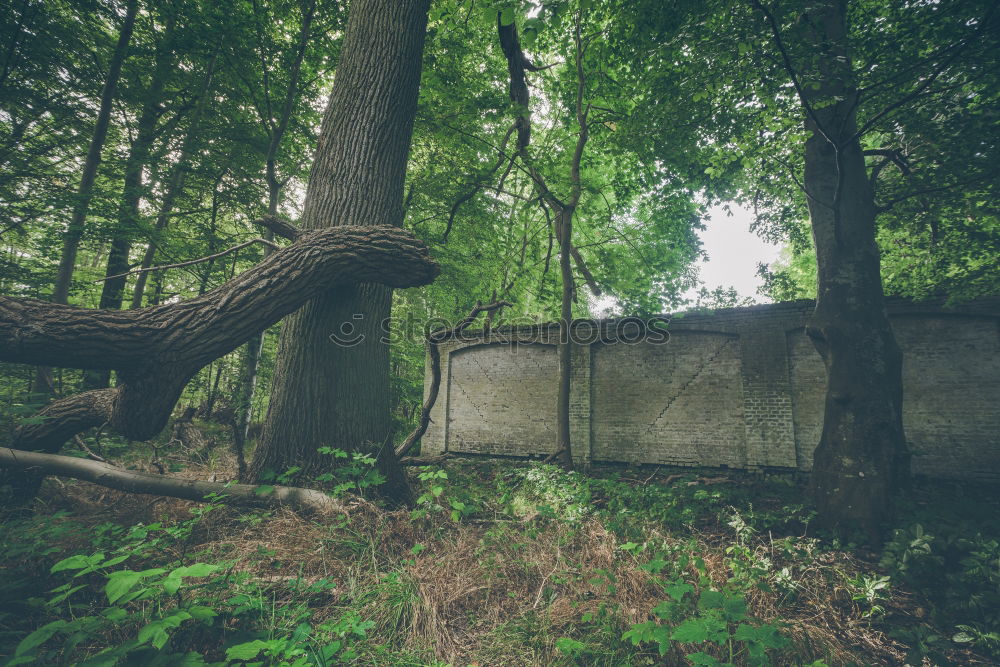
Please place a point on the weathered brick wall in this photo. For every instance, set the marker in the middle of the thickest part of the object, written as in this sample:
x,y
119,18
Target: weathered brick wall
x,y
740,388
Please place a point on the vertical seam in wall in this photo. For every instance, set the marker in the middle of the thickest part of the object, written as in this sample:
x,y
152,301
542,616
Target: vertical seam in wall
x,y
745,454
590,403
446,445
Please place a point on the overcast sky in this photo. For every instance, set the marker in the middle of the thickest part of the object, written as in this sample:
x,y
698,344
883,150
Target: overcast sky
x,y
733,252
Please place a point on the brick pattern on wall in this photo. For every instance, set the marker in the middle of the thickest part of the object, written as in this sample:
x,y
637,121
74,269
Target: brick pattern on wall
x,y
741,388
679,403
951,404
503,399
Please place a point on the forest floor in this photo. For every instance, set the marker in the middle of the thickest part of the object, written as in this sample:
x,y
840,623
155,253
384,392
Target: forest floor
x,y
500,563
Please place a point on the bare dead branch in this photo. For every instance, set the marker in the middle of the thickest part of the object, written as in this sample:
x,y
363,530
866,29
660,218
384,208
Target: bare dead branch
x,y
433,340
200,260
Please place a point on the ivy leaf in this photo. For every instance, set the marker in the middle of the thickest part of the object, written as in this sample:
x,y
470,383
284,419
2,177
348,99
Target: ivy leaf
x,y
39,637
691,631
678,590
246,651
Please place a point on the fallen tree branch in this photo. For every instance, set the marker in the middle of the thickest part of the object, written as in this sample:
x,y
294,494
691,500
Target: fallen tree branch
x,y
130,481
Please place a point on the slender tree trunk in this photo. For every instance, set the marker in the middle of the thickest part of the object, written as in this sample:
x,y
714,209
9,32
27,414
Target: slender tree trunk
x,y
74,232
564,448
333,393
175,185
243,409
128,211
862,459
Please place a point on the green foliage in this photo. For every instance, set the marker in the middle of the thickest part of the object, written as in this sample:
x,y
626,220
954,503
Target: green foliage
x,y
712,617
549,568
439,497
958,568
356,475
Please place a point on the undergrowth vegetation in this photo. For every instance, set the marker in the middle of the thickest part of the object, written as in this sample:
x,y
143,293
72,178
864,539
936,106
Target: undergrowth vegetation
x,y
500,564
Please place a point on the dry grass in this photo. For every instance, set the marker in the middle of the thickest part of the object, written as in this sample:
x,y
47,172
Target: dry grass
x,y
498,591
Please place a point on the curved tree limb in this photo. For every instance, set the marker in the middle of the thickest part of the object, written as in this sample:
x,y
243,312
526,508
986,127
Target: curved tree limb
x,y
157,350
196,331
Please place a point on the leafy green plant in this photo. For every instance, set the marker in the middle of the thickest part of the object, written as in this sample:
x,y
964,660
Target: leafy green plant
x,y
156,619
330,643
355,475
713,617
960,575
433,498
870,590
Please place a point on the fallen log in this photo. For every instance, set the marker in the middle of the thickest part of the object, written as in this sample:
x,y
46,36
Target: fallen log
x,y
131,481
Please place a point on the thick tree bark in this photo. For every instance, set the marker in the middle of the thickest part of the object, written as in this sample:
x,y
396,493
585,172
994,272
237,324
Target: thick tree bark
x,y
74,232
32,464
862,458
325,392
156,350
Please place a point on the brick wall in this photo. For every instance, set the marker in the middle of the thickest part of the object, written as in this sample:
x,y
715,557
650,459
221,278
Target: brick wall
x,y
738,388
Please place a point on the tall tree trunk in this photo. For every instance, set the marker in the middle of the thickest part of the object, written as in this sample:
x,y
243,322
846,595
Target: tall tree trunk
x,y
175,184
517,63
74,232
128,210
564,447
862,459
325,392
